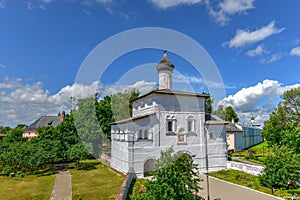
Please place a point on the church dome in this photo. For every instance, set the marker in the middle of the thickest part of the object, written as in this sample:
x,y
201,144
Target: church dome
x,y
165,63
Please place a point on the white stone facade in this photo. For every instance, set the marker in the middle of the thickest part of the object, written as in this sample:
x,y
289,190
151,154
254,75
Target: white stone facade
x,y
162,119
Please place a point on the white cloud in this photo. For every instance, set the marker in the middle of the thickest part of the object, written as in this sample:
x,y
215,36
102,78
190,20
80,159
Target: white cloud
x,y
2,66
179,78
244,37
271,59
227,8
258,100
164,4
259,50
24,103
295,51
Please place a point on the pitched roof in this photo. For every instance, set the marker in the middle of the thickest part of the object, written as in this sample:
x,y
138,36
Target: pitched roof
x,y
172,92
231,127
45,121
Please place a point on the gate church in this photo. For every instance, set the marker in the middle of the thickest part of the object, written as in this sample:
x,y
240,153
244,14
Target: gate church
x,y
167,118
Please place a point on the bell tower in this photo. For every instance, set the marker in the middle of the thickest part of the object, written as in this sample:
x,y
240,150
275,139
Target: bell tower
x,y
165,70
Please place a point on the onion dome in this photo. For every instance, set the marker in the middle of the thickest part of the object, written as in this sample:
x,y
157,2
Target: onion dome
x,y
165,63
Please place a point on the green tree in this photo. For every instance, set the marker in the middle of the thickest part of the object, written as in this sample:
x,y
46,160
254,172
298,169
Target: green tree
x,y
4,129
231,115
291,136
87,124
283,120
77,152
105,115
208,105
121,104
282,168
173,178
14,135
291,103
273,130
220,112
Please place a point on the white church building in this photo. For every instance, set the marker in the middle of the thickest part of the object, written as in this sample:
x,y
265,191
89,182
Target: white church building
x,y
167,118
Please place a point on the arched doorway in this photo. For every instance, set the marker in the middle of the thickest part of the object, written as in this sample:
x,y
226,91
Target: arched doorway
x,y
149,166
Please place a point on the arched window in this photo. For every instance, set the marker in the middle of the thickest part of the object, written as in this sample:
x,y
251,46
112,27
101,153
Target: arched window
x,y
190,124
171,123
140,136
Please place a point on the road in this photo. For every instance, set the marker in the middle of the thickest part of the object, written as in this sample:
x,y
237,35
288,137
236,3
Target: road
x,y
228,191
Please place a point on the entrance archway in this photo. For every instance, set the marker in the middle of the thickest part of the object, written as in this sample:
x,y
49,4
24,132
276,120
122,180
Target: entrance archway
x,y
149,166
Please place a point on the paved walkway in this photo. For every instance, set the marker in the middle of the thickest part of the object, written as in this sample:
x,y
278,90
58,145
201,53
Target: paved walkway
x,y
245,161
62,189
229,191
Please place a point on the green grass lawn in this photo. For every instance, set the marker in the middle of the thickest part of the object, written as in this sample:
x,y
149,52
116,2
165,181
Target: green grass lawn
x,y
95,180
29,187
248,180
259,151
260,147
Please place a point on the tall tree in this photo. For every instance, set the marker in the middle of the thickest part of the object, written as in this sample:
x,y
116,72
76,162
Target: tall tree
x,y
15,135
105,115
121,104
220,112
174,178
87,124
230,114
282,168
283,119
291,103
208,105
273,130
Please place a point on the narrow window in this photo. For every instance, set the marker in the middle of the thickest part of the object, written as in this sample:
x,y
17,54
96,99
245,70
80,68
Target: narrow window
x,y
170,126
140,134
189,126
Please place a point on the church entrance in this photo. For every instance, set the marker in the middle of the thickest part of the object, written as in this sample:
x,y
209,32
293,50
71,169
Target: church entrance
x,y
149,166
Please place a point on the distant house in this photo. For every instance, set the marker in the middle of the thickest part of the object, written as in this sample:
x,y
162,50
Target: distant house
x,y
240,137
31,130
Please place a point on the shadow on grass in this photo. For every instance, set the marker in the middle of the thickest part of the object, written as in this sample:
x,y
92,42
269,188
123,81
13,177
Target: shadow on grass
x,y
86,165
44,172
130,190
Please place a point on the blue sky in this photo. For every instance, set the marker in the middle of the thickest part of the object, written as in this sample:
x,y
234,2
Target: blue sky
x,y
254,44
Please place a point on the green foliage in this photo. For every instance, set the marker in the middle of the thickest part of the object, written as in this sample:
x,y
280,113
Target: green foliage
x,y
51,145
4,129
14,135
230,114
208,105
173,178
284,120
291,103
87,124
121,104
220,112
275,126
77,153
282,168
105,115
292,136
